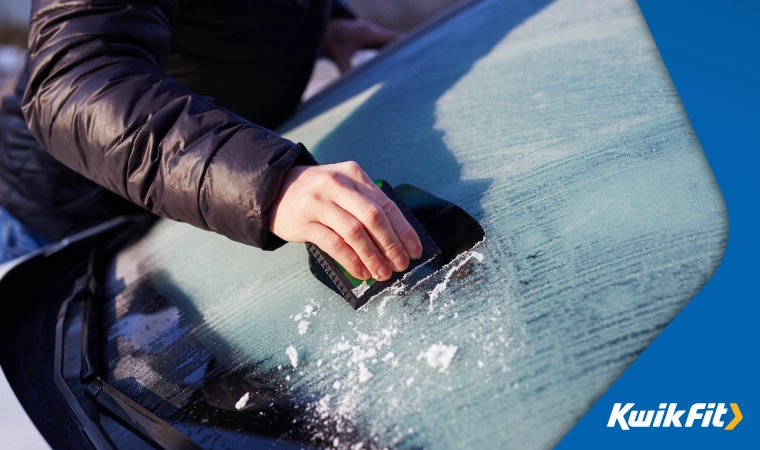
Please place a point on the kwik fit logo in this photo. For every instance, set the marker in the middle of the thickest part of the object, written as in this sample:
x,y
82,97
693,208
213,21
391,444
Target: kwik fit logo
x,y
668,415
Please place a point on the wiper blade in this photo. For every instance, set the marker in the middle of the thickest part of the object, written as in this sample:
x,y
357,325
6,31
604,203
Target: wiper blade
x,y
87,289
90,322
91,430
138,418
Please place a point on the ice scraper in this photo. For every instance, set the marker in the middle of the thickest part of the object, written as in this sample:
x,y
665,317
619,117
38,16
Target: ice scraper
x,y
445,230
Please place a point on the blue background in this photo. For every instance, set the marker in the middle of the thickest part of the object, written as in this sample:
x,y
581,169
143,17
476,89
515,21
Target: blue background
x,y
709,352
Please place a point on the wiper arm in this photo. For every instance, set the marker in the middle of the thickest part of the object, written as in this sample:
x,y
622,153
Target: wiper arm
x,y
91,430
90,322
138,419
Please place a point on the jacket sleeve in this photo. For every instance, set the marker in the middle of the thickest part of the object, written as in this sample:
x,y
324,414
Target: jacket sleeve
x,y
341,11
99,102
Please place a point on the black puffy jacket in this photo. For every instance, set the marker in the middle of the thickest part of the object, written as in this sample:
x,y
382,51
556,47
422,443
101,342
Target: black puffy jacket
x,y
163,102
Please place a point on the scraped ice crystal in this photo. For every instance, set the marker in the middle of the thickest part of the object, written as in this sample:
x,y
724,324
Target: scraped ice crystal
x,y
243,401
361,289
440,287
364,373
293,355
439,355
308,311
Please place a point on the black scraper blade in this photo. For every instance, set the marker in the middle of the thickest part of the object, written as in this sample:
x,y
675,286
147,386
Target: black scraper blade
x,y
451,227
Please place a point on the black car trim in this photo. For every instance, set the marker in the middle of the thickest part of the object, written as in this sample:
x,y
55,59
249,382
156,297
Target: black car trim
x,y
127,412
392,48
91,430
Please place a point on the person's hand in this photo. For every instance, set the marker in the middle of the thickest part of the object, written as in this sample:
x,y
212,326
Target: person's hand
x,y
340,209
345,36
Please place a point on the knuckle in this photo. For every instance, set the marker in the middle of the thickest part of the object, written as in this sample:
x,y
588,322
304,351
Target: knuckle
x,y
387,205
352,166
354,230
375,216
331,179
333,242
393,250
354,264
408,235
373,260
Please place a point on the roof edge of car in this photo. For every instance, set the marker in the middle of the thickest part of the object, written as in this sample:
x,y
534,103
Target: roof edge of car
x,y
407,39
7,268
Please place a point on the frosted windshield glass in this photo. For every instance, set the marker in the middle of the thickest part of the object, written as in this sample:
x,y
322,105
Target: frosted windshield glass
x,y
556,125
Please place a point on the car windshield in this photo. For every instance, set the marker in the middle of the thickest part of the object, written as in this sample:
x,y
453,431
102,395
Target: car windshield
x,y
555,124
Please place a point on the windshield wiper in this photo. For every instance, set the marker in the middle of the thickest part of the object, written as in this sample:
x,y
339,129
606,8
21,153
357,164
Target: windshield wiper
x,y
87,290
91,430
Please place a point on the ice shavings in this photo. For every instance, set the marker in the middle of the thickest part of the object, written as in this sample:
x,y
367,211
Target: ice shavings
x,y
413,271
361,289
293,355
381,306
363,355
335,415
308,311
243,401
440,287
439,355
397,287
394,289
364,373
142,329
387,361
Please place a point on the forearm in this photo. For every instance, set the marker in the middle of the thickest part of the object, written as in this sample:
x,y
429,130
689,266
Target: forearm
x,y
99,102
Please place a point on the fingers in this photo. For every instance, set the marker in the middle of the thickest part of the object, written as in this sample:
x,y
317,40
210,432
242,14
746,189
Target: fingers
x,y
375,37
338,208
343,61
353,233
400,229
378,227
329,241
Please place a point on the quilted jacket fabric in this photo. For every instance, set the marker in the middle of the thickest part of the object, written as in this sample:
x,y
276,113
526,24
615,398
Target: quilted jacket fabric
x,y
164,103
